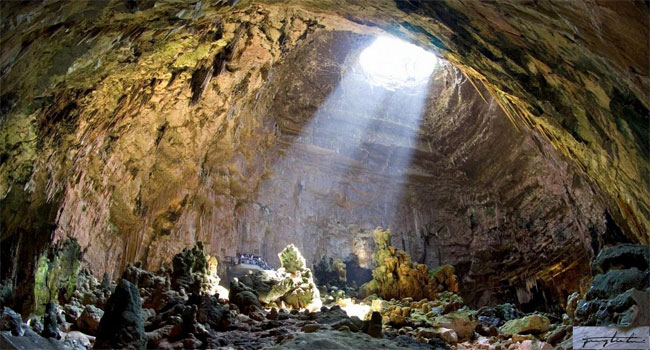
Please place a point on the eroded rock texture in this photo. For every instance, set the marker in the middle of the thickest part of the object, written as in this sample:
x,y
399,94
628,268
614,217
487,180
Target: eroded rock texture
x,y
140,130
396,276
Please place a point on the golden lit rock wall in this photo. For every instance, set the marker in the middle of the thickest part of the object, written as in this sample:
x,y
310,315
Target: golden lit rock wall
x,y
140,131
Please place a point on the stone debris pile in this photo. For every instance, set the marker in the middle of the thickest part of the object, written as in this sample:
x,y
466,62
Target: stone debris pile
x,y
177,307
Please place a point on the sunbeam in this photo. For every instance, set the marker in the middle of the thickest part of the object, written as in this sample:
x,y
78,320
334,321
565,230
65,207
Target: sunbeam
x,y
362,136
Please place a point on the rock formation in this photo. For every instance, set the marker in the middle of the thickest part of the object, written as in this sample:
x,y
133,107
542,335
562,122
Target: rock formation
x,y
122,327
163,154
620,291
144,144
202,320
292,284
396,276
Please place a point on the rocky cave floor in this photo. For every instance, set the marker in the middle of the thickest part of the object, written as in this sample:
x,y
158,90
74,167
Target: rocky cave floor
x,y
183,307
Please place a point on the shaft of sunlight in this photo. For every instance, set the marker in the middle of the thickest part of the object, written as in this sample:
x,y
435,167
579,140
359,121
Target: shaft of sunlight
x,y
361,139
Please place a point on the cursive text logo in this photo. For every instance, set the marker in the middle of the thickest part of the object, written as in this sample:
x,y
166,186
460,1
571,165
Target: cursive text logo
x,y
610,338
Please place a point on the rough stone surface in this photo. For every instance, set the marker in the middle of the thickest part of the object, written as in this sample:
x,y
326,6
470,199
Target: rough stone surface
x,y
11,321
396,276
177,132
498,315
292,284
121,327
310,328
619,294
244,297
526,325
461,322
29,342
622,256
89,319
341,340
615,282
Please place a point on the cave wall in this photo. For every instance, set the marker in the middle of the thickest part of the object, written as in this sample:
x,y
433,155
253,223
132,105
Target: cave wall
x,y
453,178
139,130
574,71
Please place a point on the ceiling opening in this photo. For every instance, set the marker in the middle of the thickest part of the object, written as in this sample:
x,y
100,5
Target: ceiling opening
x,y
394,63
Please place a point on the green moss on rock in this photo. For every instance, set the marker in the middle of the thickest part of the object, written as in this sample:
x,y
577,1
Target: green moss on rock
x,y
526,325
56,273
291,259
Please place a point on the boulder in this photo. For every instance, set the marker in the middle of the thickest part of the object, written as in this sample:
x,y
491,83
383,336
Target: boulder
x,y
89,320
487,330
78,340
243,296
571,304
462,322
11,321
626,309
531,324
214,314
266,284
310,327
331,315
273,314
447,335
72,312
615,282
497,315
375,325
121,326
622,256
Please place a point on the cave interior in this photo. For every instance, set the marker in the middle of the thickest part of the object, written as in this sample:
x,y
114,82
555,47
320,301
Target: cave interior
x,y
327,174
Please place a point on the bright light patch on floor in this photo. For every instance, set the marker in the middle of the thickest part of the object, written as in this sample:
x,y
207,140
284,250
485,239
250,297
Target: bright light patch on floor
x,y
354,309
393,62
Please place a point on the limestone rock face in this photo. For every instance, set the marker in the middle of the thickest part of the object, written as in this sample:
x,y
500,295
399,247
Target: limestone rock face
x,y
141,131
622,256
396,276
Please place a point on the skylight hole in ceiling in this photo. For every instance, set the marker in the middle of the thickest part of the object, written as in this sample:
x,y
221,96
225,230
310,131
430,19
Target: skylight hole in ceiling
x,y
394,63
